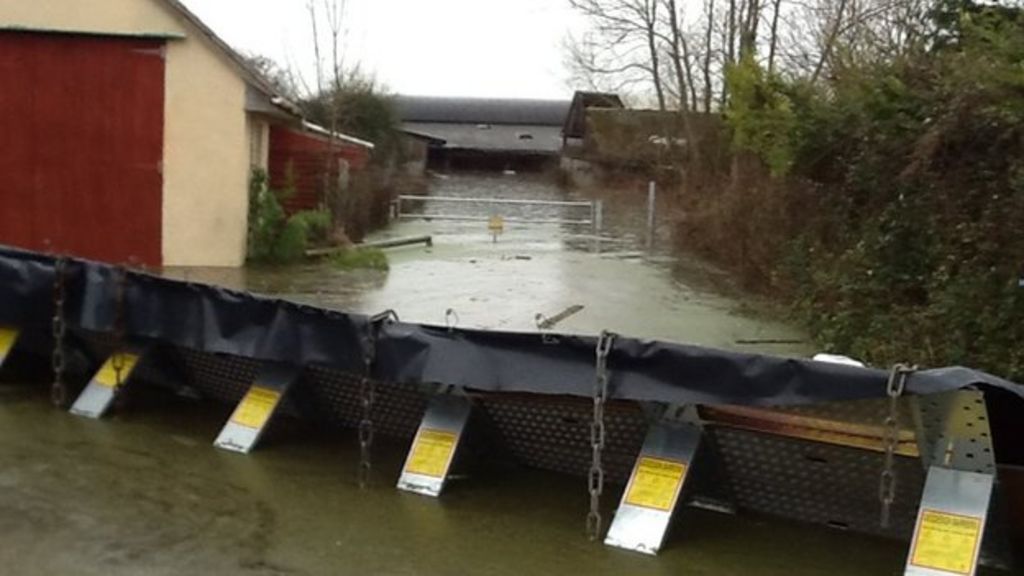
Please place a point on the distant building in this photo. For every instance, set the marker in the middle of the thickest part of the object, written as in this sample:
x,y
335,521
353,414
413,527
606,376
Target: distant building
x,y
130,131
574,131
483,133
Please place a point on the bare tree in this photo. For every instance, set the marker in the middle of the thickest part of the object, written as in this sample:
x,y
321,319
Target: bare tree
x,y
773,37
708,52
652,43
328,18
625,38
749,25
684,78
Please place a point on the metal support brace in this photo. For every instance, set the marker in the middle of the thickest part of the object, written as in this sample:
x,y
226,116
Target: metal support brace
x,y
435,446
656,484
955,442
109,381
8,338
252,415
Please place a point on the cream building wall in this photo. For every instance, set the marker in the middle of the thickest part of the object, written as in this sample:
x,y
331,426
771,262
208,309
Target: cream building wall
x,y
206,138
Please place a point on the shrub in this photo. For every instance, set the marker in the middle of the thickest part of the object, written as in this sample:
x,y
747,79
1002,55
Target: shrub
x,y
315,223
266,217
371,258
273,237
291,243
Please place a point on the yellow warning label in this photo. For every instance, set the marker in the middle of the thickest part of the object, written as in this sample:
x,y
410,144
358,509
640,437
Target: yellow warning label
x,y
431,453
496,224
656,483
947,542
256,408
108,374
7,338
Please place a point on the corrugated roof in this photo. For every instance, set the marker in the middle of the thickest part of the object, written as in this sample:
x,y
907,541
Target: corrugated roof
x,y
437,109
515,138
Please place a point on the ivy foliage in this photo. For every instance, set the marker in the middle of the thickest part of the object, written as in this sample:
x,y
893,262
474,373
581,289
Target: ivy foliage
x,y
760,114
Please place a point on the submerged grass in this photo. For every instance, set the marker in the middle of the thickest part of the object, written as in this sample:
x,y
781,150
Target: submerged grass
x,y
360,258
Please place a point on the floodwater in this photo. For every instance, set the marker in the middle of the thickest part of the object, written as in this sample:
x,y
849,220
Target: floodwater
x,y
609,279
144,492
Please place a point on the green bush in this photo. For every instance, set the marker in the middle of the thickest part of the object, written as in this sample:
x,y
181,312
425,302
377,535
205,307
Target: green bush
x,y
371,258
316,225
291,244
895,232
266,217
273,237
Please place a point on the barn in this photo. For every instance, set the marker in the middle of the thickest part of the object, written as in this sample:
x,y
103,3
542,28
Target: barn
x,y
485,133
130,132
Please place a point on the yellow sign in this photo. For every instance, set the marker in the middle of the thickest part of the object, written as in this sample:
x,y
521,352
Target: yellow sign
x,y
497,224
108,374
432,452
946,542
256,408
656,483
7,338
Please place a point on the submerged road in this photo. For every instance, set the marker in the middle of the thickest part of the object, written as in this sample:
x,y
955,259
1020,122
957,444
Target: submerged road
x,y
575,280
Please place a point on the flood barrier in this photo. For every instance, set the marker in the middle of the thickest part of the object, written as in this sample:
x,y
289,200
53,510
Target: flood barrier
x,y
905,453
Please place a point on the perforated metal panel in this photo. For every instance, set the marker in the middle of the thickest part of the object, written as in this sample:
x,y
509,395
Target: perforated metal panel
x,y
397,410
554,432
816,482
225,378
955,431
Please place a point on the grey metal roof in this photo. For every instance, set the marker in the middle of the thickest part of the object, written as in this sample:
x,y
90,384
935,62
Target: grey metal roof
x,y
436,109
523,139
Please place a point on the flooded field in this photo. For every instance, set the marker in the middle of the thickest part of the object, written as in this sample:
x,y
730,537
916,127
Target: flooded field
x,y
608,276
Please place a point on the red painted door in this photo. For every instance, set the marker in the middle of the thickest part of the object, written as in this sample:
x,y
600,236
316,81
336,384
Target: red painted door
x,y
81,145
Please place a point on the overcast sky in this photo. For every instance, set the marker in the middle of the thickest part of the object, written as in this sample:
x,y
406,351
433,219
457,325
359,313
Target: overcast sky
x,y
498,48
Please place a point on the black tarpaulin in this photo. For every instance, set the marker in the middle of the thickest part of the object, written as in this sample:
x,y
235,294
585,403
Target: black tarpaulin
x,y
215,320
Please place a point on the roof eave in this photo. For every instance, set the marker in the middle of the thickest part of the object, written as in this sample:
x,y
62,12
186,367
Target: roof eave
x,y
251,77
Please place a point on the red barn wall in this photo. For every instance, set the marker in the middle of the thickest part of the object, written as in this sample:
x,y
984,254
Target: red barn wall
x,y
298,159
82,120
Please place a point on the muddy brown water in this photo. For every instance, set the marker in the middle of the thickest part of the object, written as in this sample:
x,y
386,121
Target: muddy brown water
x,y
144,492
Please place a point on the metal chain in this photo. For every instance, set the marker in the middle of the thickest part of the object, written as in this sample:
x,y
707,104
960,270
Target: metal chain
x,y
118,359
890,438
595,477
58,392
368,393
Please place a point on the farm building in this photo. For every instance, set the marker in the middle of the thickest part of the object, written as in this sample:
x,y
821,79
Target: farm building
x,y
130,133
485,133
